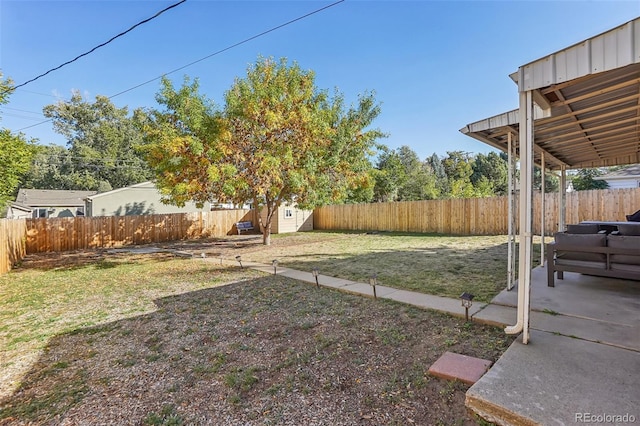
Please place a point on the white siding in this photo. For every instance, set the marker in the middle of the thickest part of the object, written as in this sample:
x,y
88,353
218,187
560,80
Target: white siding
x,y
624,183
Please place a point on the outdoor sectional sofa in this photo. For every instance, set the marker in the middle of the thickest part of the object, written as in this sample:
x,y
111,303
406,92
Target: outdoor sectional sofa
x,y
599,254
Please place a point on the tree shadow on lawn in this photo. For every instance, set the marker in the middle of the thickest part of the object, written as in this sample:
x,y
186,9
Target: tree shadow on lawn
x,y
261,351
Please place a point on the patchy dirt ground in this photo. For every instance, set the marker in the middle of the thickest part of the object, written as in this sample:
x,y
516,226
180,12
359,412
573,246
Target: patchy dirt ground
x,y
260,351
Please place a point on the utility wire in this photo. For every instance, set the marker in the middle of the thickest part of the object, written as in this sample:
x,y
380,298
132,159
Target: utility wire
x,y
96,47
212,54
230,47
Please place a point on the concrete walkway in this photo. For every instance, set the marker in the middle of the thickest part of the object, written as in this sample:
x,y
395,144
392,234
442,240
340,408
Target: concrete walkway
x,y
582,363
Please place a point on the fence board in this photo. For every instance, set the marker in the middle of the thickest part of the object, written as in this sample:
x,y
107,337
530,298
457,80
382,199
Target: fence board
x,y
63,234
12,243
475,216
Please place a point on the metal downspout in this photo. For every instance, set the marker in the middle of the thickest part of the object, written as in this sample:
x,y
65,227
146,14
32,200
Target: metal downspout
x,y
511,193
562,220
542,207
525,217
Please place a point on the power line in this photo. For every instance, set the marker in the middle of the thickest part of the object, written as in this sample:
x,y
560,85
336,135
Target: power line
x,y
230,47
96,47
21,110
212,54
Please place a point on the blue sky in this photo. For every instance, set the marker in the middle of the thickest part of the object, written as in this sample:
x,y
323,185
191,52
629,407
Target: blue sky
x,y
434,65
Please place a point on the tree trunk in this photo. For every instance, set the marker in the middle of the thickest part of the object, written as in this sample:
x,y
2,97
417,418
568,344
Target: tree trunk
x,y
266,229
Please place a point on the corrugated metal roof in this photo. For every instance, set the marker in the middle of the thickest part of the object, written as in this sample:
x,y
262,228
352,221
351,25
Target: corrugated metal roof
x,y
610,50
594,118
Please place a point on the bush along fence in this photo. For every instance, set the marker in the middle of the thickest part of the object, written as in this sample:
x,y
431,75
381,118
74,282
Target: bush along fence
x,y
475,216
25,236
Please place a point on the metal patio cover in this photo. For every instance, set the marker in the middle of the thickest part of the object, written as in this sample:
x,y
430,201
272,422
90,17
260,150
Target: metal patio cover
x,y
587,98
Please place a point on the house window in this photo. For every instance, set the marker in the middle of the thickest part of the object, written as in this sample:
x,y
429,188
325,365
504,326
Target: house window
x,y
80,211
39,213
288,213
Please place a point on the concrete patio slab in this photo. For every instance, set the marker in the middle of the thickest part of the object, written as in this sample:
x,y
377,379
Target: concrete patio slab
x,y
620,335
558,380
452,366
496,315
604,299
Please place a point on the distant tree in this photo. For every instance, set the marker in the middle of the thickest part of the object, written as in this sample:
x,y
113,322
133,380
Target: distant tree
x,y
551,181
16,152
102,142
401,176
442,182
15,159
422,184
584,180
490,174
458,166
389,176
279,139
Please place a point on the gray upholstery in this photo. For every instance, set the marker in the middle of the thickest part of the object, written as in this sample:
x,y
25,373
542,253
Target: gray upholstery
x,y
624,242
629,228
581,240
583,228
626,267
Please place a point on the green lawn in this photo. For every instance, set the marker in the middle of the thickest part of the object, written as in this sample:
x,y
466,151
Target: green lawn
x,y
433,264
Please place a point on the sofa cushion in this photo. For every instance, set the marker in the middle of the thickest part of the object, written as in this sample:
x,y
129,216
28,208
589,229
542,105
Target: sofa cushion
x,y
629,228
624,242
583,228
581,240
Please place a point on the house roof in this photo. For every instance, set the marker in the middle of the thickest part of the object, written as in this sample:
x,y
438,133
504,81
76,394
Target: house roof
x,y
52,197
19,206
147,184
588,98
624,173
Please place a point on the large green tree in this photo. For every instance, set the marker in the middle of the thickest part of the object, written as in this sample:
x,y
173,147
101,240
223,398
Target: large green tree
x,y
15,154
490,174
277,140
584,180
401,176
458,166
390,176
102,142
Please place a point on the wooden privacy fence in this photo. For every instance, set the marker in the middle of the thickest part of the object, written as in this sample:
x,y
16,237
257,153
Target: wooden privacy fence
x,y
480,216
43,235
12,242
475,216
19,237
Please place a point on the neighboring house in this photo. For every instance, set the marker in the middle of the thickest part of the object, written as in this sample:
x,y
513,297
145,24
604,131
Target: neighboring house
x,y
18,211
627,177
289,218
52,202
140,199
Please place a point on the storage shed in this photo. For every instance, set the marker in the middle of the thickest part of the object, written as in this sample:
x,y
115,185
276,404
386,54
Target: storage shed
x,y
289,218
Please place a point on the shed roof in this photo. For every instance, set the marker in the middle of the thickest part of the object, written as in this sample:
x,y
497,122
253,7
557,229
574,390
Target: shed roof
x,y
589,103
